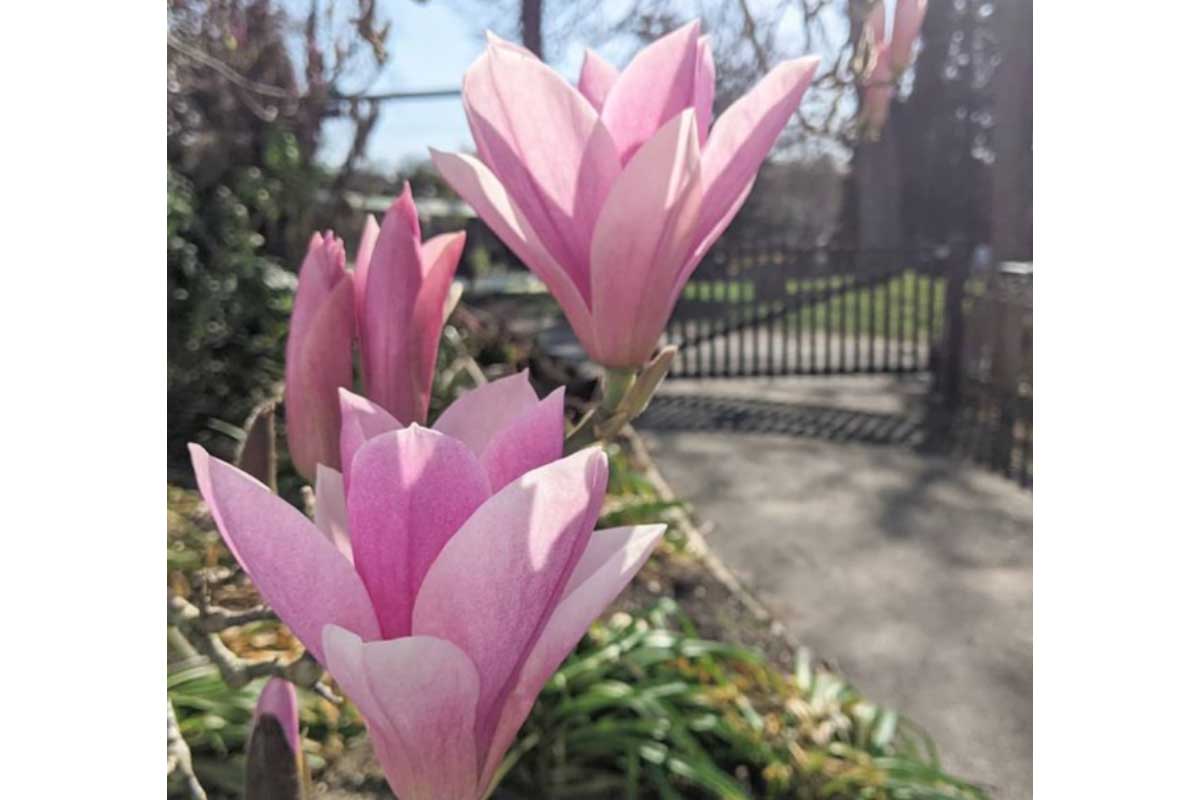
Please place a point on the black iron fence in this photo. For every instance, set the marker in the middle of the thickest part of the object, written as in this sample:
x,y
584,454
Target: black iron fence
x,y
775,311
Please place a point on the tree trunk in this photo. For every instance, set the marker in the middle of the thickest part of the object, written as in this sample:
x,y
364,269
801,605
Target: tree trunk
x,y
1012,176
878,182
531,26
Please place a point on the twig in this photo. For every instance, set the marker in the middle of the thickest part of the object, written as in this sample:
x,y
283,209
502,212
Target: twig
x,y
200,628
179,757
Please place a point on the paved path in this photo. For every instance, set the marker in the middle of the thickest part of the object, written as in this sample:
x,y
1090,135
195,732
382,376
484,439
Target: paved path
x,y
911,572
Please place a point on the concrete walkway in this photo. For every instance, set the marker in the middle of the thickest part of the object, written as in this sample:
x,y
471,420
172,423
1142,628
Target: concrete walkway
x,y
912,573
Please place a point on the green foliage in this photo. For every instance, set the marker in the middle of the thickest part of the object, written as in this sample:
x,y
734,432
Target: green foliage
x,y
227,305
643,708
899,306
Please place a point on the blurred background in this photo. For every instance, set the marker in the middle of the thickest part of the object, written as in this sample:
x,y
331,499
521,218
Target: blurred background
x,y
288,116
849,421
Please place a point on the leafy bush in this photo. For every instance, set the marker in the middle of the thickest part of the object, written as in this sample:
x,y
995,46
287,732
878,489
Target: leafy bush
x,y
227,307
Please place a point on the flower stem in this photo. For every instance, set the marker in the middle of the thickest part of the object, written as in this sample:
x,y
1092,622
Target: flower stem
x,y
617,383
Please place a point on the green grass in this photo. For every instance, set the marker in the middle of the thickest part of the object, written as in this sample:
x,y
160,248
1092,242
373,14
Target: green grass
x,y
906,303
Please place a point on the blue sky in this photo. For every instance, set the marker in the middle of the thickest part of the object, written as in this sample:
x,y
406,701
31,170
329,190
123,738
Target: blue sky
x,y
431,45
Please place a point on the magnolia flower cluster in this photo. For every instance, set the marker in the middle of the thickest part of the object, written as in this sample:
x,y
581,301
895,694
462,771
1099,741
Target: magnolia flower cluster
x,y
446,575
450,569
612,191
892,55
393,306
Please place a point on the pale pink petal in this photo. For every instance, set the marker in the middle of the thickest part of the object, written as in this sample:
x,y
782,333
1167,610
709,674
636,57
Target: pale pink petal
x,y
741,138
323,269
877,24
498,41
361,420
906,26
439,257
477,415
476,184
452,298
557,164
392,285
418,695
442,252
705,89
877,93
643,237
296,569
529,441
411,490
362,263
319,355
596,78
611,560
329,513
657,85
278,700
497,582
877,101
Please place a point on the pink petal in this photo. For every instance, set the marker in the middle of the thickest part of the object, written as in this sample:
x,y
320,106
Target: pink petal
x,y
877,101
556,164
361,420
596,78
877,93
418,695
740,140
278,700
531,440
439,257
643,238
657,85
323,270
296,569
411,490
362,263
611,560
477,415
391,288
906,26
497,41
330,511
319,355
497,582
476,184
877,24
705,88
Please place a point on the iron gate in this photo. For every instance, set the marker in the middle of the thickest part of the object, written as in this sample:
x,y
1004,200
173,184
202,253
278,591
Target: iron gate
x,y
771,310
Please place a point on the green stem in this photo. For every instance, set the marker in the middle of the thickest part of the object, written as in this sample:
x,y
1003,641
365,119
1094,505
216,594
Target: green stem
x,y
617,383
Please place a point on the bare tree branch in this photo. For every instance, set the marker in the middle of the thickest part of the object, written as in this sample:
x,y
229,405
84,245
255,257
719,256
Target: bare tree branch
x,y
179,758
199,629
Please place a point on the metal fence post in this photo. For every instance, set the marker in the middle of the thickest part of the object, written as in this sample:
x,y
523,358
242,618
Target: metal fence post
x,y
950,375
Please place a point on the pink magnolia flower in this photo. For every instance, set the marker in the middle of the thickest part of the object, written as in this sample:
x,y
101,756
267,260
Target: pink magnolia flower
x,y
878,92
278,701
445,579
906,25
275,764
394,303
613,191
892,57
